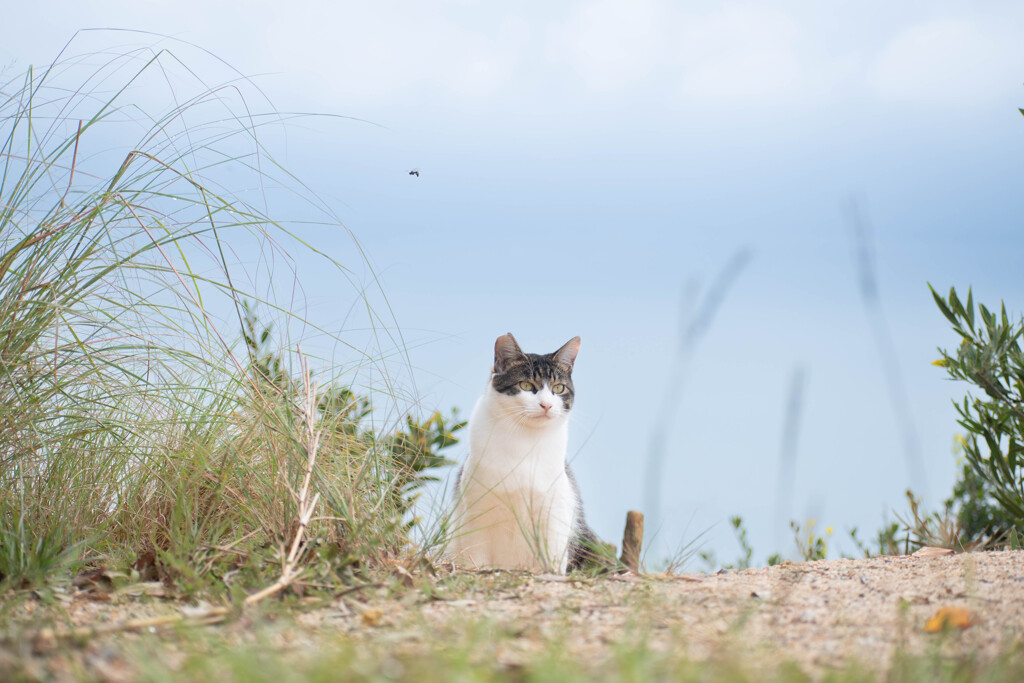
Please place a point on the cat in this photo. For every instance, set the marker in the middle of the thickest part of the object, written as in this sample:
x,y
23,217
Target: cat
x,y
517,502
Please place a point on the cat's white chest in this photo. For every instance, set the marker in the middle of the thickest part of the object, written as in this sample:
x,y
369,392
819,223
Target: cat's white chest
x,y
516,507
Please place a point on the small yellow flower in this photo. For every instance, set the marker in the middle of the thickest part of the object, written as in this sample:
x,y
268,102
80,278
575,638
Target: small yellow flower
x,y
828,531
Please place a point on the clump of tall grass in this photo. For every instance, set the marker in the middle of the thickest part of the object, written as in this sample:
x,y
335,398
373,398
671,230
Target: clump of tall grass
x,y
141,422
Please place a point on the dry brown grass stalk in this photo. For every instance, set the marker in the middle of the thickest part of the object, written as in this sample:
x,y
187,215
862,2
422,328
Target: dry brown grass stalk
x,y
303,503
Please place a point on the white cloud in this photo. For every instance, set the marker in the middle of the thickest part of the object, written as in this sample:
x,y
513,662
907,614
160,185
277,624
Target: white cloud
x,y
377,50
525,57
948,61
722,53
611,44
738,52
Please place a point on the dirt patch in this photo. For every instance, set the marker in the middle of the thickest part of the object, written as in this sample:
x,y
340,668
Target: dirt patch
x,y
820,615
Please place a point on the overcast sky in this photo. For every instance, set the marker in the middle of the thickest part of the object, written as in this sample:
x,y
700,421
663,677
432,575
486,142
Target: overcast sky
x,y
584,165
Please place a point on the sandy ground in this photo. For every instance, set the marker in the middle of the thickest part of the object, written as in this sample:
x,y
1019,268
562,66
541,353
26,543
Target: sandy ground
x,y
818,614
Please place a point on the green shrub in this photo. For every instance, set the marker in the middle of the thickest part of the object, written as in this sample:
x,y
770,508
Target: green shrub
x,y
380,474
990,491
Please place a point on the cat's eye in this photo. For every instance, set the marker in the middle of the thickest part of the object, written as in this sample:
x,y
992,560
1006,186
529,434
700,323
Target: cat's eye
x,y
526,386
558,389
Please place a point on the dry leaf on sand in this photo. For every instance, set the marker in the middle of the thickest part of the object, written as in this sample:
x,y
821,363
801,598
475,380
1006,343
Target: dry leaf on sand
x,y
372,617
959,617
932,551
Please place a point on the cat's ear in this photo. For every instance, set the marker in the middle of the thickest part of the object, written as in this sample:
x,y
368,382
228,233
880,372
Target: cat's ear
x,y
506,350
567,354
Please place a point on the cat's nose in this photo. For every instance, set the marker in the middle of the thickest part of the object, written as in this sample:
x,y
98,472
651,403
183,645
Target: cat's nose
x,y
545,406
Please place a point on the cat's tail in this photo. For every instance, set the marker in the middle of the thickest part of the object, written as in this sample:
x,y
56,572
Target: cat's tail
x,y
583,548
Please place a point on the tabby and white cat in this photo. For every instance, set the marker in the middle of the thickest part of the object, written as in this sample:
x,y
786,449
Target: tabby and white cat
x,y
517,503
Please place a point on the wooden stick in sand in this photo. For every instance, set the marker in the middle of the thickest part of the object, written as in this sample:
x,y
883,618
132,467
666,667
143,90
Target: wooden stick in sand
x,y
633,540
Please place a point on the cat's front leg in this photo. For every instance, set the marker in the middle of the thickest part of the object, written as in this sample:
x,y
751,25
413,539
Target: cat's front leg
x,y
560,529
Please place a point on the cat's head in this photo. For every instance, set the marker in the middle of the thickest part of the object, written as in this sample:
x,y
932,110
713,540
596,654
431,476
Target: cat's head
x,y
535,390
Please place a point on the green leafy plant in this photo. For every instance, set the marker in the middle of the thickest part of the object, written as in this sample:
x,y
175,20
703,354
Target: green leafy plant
x,y
809,545
938,529
409,456
746,550
741,537
981,519
991,489
888,540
